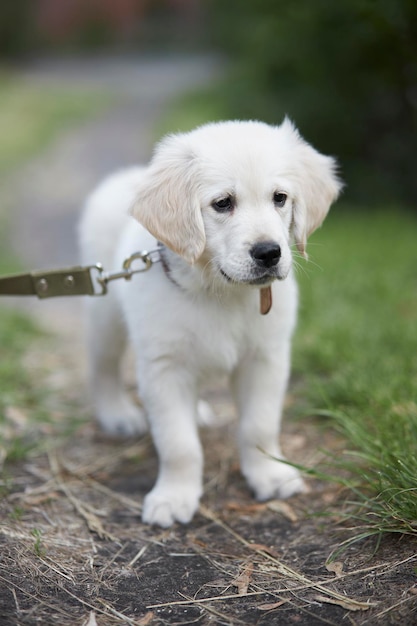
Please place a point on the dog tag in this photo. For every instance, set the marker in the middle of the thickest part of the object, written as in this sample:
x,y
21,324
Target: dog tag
x,y
266,300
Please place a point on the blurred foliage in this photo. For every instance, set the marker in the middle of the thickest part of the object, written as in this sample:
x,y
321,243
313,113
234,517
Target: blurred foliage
x,y
16,27
345,71
30,27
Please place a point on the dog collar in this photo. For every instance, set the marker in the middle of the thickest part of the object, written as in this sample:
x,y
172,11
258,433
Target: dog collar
x,y
165,265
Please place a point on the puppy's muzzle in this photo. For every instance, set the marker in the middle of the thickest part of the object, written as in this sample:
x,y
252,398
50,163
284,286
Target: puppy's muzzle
x,y
266,254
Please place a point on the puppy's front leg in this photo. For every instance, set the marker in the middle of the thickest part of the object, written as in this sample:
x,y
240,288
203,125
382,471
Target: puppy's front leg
x,y
170,400
260,385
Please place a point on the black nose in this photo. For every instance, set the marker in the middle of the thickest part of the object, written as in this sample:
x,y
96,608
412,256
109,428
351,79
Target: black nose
x,y
266,253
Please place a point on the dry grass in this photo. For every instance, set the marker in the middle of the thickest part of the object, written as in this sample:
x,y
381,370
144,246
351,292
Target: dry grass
x,y
75,552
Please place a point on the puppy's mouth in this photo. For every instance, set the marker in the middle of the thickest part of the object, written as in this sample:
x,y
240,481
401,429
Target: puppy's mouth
x,y
262,280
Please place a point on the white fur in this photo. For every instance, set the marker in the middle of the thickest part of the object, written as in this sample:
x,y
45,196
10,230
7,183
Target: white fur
x,y
205,319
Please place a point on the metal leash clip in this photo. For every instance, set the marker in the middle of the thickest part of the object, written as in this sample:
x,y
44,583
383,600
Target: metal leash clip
x,y
127,272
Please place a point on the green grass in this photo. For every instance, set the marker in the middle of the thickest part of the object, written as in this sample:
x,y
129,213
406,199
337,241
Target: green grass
x,y
356,352
20,393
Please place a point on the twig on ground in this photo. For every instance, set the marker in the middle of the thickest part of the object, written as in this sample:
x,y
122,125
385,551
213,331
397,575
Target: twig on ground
x,y
138,556
213,611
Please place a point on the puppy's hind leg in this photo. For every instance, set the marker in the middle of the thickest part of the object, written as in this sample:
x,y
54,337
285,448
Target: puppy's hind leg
x,y
116,412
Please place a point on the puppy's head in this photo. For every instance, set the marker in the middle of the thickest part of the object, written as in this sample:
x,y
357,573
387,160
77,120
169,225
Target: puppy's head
x,y
234,193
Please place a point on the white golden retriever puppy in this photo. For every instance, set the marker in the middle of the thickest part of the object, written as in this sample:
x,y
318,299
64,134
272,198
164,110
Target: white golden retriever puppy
x,y
224,203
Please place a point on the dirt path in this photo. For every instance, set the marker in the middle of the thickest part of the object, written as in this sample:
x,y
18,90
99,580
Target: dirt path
x,y
74,551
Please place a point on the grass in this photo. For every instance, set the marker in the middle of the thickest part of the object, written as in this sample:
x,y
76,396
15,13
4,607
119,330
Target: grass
x,y
16,333
356,351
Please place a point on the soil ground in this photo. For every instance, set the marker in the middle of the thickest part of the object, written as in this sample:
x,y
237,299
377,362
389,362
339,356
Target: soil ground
x,y
74,551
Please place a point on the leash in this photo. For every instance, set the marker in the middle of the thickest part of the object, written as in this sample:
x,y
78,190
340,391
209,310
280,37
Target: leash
x,y
91,280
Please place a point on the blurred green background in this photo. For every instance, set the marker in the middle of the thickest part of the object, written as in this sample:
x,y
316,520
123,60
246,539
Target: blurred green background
x,y
345,71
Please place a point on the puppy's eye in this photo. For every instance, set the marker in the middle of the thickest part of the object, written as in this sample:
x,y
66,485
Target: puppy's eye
x,y
280,199
223,205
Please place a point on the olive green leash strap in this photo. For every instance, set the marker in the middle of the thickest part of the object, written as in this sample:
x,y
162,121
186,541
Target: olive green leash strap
x,y
90,280
72,281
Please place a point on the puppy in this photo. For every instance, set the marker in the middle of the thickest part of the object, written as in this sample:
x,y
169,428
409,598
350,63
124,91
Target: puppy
x,y
223,205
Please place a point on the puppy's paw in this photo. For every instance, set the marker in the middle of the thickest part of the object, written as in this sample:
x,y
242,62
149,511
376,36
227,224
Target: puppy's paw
x,y
165,505
121,417
273,479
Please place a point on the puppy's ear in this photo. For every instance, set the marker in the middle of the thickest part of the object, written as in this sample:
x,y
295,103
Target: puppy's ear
x,y
318,186
166,203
